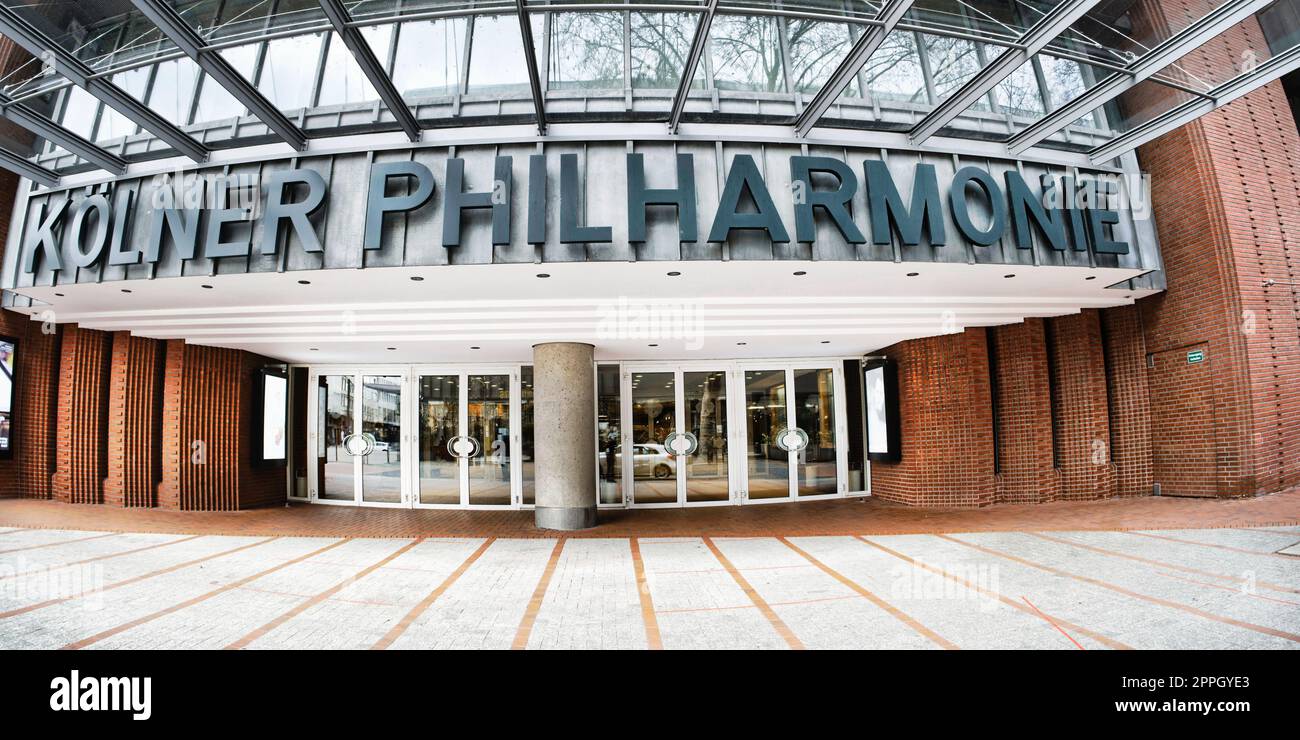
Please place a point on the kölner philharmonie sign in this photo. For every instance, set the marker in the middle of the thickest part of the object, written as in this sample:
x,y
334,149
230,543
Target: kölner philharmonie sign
x,y
600,201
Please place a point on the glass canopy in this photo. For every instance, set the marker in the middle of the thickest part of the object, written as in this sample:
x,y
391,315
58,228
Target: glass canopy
x,y
1074,74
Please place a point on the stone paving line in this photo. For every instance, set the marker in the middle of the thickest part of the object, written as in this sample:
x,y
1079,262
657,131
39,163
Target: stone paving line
x,y
1220,588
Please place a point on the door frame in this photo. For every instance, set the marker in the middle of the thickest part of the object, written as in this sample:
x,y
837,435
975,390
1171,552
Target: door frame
x,y
358,373
462,371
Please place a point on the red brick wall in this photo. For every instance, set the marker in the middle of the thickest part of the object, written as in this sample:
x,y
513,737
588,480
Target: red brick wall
x,y
1129,405
1080,417
947,425
134,421
1226,194
1024,414
207,432
35,406
82,425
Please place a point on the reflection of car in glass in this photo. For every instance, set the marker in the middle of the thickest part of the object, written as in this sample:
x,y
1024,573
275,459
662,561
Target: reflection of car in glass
x,y
648,460
380,446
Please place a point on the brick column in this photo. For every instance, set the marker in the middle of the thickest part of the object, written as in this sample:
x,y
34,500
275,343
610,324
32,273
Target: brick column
x,y
1026,473
947,426
1226,197
134,421
82,457
207,432
1080,416
1130,412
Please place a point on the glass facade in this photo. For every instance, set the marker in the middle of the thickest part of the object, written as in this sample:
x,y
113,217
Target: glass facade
x,y
289,51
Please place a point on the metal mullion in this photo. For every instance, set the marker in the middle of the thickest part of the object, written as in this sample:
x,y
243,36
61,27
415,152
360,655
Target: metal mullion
x,y
890,14
61,136
80,74
530,59
371,67
1166,53
1053,23
702,28
30,170
358,424
463,424
679,400
791,456
215,65
1229,91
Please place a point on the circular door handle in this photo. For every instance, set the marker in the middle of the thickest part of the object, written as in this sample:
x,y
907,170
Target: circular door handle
x,y
462,446
792,439
359,445
681,444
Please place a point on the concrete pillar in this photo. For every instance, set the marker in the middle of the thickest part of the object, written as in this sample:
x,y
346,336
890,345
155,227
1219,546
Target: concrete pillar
x,y
564,435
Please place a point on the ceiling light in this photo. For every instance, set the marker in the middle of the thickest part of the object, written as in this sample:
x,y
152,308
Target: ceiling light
x,y
799,273
208,287
416,278
304,282
1091,277
126,290
913,274
1009,276
543,274
674,273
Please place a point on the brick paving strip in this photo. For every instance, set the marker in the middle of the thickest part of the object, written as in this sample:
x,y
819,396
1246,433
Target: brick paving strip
x,y
61,542
857,588
387,640
102,557
535,603
1049,621
136,579
1162,564
653,640
1292,533
1131,594
1056,622
1214,545
308,603
781,627
84,642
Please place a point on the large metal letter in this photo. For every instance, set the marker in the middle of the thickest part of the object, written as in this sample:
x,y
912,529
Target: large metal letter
x,y
455,201
72,237
961,207
570,231
298,214
639,196
886,206
836,202
744,176
378,203
1050,221
41,239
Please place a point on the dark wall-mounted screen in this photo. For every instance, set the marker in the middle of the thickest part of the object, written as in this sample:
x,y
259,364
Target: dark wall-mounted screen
x,y
273,396
8,351
880,395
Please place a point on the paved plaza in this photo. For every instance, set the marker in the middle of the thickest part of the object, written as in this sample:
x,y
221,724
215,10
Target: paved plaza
x,y
1168,588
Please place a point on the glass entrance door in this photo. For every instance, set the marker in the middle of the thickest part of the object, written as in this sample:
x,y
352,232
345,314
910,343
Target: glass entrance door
x,y
467,438
677,450
357,434
792,436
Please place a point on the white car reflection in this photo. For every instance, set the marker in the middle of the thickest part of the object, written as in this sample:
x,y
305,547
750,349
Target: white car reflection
x,y
649,460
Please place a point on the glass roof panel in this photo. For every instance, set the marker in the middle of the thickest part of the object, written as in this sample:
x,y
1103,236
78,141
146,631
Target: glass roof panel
x,y
745,53
660,44
586,51
816,50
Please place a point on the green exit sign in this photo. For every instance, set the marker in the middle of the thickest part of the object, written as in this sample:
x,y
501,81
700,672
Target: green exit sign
x,y
1195,356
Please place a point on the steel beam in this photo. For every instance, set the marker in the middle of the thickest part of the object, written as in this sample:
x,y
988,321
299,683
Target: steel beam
x,y
1164,54
1229,91
60,136
1039,35
371,66
692,62
34,172
890,14
80,74
530,58
189,41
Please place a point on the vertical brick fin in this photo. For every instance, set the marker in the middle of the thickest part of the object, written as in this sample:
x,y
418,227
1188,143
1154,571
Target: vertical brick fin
x,y
1130,402
947,426
1024,418
81,461
134,430
1080,414
207,424
1226,198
